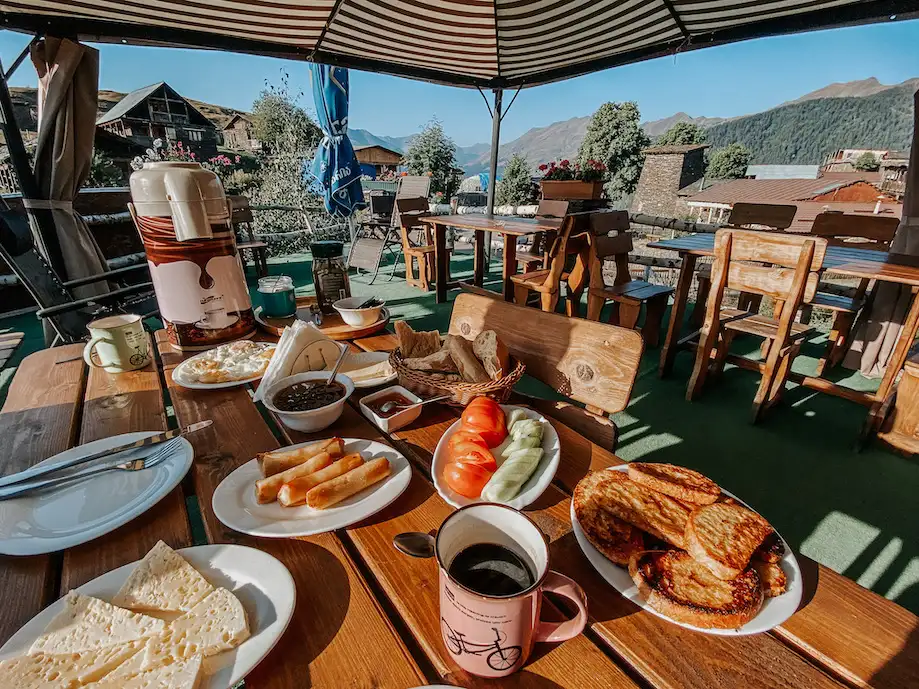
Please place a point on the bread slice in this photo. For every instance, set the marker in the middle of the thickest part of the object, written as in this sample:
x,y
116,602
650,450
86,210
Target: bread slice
x,y
677,482
470,368
723,537
43,670
87,623
441,361
656,513
415,345
182,674
771,549
163,581
772,577
494,356
679,587
616,539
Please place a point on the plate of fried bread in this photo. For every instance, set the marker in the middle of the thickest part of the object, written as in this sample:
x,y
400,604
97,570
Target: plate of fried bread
x,y
228,365
196,618
675,543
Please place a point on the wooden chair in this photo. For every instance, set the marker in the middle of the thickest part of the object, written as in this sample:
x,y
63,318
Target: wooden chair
x,y
627,294
758,216
535,256
545,281
417,243
242,223
790,276
857,231
592,363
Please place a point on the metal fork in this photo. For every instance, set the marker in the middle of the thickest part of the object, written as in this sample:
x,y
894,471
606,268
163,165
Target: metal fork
x,y
151,460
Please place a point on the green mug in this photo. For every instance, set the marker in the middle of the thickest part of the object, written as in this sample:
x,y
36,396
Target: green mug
x,y
276,294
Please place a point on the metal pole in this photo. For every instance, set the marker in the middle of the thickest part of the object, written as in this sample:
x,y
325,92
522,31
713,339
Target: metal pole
x,y
493,167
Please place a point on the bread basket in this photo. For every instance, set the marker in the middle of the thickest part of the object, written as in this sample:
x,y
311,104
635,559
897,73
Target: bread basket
x,y
426,384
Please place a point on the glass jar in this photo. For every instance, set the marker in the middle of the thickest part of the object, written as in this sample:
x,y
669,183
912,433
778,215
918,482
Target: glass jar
x,y
277,296
330,274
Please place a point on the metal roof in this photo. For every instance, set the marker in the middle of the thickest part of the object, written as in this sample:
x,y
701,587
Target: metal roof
x,y
783,171
132,99
485,43
768,190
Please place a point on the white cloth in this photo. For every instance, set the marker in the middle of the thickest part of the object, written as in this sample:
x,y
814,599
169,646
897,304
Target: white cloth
x,y
302,347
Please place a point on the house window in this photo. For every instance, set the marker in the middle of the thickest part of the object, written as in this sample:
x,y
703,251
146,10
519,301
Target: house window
x,y
170,133
195,135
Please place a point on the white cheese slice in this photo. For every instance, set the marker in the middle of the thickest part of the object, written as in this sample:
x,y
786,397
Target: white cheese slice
x,y
361,372
183,674
87,623
163,580
65,670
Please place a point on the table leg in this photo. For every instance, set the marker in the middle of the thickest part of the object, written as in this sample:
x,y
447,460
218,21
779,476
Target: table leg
x,y
440,261
509,265
894,366
478,278
680,297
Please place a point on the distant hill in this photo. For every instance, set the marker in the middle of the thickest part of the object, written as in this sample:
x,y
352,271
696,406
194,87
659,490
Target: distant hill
x,y
853,89
655,128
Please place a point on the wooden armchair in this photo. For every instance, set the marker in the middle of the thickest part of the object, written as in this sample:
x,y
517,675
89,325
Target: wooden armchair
x,y
242,222
417,243
857,231
790,276
545,281
592,363
535,256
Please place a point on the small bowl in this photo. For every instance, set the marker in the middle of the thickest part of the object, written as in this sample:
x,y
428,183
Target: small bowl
x,y
355,316
311,420
399,419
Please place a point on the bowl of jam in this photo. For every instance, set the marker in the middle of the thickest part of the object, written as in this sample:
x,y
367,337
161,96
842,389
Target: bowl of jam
x,y
392,420
307,402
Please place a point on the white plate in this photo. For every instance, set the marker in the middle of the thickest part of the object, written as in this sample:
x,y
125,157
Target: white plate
x,y
178,375
261,582
535,485
235,505
368,359
773,613
58,518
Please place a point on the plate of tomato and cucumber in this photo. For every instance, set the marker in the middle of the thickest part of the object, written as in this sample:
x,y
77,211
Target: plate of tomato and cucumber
x,y
469,458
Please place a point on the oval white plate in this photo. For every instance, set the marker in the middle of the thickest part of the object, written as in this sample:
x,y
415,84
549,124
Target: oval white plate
x,y
58,518
531,490
363,359
260,581
178,375
772,614
235,505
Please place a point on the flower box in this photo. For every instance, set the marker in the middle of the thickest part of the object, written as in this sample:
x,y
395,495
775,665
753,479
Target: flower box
x,y
571,189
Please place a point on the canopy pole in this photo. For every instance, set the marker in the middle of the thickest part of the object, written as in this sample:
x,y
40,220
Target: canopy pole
x,y
493,167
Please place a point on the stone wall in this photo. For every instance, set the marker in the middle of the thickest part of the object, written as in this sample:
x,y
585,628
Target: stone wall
x,y
667,170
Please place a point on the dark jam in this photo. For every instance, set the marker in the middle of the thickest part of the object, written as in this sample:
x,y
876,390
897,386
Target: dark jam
x,y
308,396
377,405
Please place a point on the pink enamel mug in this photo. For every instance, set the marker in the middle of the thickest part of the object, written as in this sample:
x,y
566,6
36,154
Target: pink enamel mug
x,y
492,634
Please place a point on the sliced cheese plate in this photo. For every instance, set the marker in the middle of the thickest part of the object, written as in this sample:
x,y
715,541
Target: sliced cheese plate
x,y
235,505
773,613
262,583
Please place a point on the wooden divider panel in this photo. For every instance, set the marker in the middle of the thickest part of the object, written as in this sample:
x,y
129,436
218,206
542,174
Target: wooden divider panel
x,y
39,419
338,635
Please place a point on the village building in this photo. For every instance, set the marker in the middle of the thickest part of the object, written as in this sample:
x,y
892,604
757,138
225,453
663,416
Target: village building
x,y
159,112
377,160
843,160
239,134
667,170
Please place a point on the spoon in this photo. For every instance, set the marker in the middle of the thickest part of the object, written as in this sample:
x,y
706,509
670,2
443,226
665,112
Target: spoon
x,y
414,543
387,407
341,358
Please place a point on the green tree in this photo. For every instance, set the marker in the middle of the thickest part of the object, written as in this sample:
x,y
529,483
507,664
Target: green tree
x,y
729,162
104,173
279,123
867,162
516,187
682,134
615,138
433,153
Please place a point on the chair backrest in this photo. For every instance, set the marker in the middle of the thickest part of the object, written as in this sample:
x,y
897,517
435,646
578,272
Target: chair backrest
x,y
408,211
591,362
552,209
606,222
413,186
768,215
241,214
793,264
381,205
875,231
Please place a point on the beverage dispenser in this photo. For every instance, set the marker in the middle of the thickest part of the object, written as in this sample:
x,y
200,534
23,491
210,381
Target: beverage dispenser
x,y
183,217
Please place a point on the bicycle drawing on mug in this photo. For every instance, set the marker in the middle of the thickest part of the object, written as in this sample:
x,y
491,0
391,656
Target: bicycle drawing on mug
x,y
499,657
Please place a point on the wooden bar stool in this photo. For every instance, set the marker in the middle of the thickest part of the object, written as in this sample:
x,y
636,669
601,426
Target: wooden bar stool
x,y
242,221
545,281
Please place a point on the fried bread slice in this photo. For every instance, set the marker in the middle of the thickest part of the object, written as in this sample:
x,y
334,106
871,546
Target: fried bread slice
x,y
616,539
723,537
770,550
683,484
772,577
676,585
656,513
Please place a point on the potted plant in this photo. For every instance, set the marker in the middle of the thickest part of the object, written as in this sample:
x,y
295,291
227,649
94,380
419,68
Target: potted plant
x,y
562,180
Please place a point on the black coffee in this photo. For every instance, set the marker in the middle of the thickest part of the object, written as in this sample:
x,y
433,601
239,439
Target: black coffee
x,y
492,570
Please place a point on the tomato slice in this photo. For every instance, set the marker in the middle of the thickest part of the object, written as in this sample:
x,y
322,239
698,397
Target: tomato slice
x,y
466,478
474,454
484,416
464,435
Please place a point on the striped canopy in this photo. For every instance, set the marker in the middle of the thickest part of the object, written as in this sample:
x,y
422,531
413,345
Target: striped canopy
x,y
485,43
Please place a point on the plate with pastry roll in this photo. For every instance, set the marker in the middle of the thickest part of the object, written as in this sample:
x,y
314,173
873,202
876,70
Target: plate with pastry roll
x,y
311,488
675,543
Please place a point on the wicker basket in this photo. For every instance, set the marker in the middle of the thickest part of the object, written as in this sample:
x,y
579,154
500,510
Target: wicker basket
x,y
427,385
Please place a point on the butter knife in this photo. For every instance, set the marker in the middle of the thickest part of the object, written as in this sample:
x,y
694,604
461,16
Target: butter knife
x,y
143,443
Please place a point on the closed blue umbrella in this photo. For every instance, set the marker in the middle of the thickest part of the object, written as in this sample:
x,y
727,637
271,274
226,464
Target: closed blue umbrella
x,y
335,165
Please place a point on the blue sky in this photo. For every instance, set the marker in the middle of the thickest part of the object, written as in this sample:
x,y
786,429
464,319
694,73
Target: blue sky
x,y
725,81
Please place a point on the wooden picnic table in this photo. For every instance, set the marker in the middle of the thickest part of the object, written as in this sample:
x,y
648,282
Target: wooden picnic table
x,y
510,228
366,616
845,261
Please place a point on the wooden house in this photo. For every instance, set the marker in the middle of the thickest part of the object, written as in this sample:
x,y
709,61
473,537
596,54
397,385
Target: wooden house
x,y
375,160
239,134
159,112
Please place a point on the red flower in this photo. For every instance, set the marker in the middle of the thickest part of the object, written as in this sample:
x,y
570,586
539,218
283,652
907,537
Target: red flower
x,y
565,163
543,167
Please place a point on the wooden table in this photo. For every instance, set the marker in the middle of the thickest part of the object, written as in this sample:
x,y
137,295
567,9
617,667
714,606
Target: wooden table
x,y
846,261
366,616
510,228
